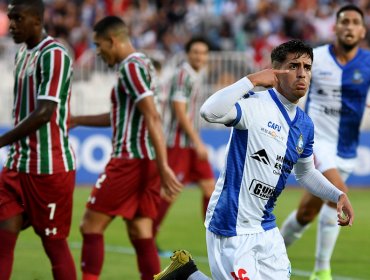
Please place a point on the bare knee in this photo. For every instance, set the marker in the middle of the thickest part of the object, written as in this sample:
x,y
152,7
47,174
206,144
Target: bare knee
x,y
207,186
94,222
140,228
306,215
13,224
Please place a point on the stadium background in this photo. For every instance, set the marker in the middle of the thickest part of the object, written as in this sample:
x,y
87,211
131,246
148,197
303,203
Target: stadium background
x,y
242,34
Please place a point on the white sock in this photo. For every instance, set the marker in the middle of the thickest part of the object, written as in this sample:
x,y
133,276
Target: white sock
x,y
291,230
327,234
198,275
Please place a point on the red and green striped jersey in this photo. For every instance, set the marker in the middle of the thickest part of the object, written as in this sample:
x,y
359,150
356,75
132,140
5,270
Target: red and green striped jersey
x,y
42,73
185,87
136,80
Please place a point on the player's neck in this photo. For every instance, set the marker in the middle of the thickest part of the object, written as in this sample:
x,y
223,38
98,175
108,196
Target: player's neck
x,y
342,55
33,42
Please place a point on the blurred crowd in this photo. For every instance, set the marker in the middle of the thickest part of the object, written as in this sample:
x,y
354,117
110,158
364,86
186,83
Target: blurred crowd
x,y
164,25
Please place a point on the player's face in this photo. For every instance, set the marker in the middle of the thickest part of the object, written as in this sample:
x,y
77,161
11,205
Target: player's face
x,y
104,49
294,85
350,29
198,55
22,24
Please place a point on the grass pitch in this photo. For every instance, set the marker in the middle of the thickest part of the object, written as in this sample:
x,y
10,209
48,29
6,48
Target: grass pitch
x,y
183,229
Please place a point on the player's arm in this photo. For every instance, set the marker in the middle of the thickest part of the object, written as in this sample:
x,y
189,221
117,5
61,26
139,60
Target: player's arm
x,y
220,107
153,120
101,120
186,125
318,185
41,115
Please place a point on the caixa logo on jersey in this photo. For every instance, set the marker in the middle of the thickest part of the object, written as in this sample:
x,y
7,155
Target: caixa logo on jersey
x,y
261,189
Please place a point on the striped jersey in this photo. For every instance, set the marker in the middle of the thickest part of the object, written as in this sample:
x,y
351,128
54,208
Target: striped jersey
x,y
136,80
42,73
185,87
337,98
263,147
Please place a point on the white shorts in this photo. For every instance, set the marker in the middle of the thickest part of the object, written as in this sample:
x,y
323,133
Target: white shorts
x,y
325,155
259,256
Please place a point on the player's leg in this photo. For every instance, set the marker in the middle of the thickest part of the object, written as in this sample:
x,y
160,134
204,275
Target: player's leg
x,y
48,204
92,227
201,172
11,219
141,236
207,186
298,221
328,228
9,230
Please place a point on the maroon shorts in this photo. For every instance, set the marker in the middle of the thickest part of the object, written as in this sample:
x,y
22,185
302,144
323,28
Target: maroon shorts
x,y
45,200
187,166
128,188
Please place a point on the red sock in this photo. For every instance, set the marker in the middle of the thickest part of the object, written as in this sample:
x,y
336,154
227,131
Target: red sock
x,y
7,245
162,211
147,257
61,259
92,256
205,205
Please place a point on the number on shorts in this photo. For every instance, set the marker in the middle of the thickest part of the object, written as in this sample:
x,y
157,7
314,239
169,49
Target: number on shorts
x,y
100,181
52,207
241,273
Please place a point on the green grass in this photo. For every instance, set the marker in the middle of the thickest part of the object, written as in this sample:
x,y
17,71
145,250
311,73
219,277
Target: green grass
x,y
184,229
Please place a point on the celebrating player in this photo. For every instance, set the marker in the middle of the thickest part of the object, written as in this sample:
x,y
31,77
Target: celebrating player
x,y
270,137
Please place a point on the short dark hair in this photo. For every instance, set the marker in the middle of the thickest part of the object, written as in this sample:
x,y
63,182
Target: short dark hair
x,y
194,40
350,7
110,23
298,47
36,7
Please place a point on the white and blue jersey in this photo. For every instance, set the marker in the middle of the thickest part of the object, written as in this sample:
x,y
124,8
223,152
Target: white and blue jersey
x,y
263,147
337,99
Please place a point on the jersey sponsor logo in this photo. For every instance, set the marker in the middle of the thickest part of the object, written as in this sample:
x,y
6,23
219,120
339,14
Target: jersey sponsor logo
x,y
261,156
274,126
272,134
282,165
261,189
300,144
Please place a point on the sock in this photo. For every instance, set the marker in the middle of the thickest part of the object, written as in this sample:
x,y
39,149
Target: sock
x,y
63,266
162,211
205,205
92,255
147,257
327,234
291,229
7,245
198,275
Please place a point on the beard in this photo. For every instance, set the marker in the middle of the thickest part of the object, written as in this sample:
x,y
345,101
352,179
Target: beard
x,y
348,47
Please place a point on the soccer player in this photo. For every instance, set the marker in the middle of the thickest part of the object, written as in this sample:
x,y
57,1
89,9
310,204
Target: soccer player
x,y
182,128
130,184
271,135
336,102
37,181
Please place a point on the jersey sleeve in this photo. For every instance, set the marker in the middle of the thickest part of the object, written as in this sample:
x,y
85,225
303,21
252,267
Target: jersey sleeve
x,y
180,87
137,80
55,66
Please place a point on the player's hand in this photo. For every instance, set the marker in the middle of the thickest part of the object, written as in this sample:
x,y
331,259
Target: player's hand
x,y
170,183
345,211
201,151
266,78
